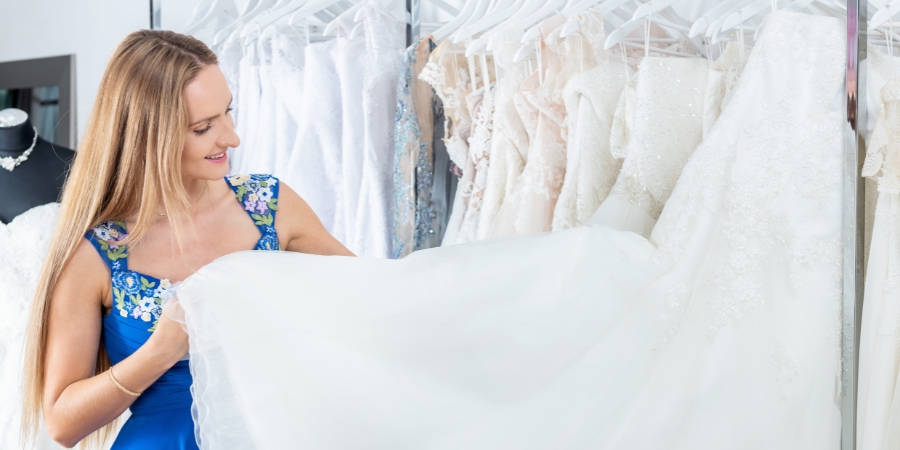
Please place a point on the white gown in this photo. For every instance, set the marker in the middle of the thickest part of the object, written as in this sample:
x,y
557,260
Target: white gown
x,y
878,404
666,128
23,245
727,336
591,99
314,168
372,234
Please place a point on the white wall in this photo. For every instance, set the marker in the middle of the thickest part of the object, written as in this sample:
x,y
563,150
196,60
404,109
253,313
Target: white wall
x,y
89,29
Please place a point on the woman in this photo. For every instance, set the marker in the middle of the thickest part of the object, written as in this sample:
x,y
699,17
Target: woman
x,y
146,204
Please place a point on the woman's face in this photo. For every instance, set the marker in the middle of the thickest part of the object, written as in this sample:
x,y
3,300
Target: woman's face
x,y
211,130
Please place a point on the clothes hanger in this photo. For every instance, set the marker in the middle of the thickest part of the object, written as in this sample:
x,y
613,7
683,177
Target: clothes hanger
x,y
445,31
608,9
703,22
549,7
225,31
884,14
235,29
514,20
501,10
481,9
343,23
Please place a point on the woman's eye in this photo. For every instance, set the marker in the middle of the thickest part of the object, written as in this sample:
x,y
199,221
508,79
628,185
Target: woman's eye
x,y
230,109
204,130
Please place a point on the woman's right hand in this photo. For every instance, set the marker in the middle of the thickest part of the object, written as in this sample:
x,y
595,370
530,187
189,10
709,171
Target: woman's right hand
x,y
169,336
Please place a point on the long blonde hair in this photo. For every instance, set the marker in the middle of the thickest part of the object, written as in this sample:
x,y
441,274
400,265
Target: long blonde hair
x,y
128,163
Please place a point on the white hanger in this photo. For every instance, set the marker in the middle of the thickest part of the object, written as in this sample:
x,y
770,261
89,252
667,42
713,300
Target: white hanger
x,y
703,22
344,22
232,31
742,15
549,7
884,14
481,9
501,10
308,9
453,25
608,9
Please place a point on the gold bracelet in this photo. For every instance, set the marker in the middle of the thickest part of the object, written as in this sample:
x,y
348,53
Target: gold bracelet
x,y
119,385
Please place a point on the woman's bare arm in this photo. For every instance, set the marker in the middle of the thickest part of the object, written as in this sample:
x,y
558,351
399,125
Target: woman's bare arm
x,y
77,401
301,229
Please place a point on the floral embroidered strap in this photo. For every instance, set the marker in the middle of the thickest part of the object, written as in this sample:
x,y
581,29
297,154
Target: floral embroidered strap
x,y
258,194
135,295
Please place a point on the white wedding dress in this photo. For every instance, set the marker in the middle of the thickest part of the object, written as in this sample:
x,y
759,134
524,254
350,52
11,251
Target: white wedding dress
x,y
666,127
726,336
878,407
23,247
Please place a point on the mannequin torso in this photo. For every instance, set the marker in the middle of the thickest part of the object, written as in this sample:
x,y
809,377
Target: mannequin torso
x,y
37,180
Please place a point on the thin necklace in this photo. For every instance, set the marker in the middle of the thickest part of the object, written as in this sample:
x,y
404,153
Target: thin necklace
x,y
9,163
205,187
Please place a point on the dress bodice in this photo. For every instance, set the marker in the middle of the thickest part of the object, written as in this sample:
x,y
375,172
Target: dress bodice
x,y
138,299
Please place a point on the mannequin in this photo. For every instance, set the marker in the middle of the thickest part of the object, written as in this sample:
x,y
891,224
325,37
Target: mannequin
x,y
35,181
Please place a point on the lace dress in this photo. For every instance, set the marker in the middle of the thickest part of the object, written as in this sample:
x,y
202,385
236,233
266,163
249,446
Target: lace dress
x,y
723,75
23,245
374,214
446,72
509,140
667,127
528,207
482,109
591,99
878,408
726,336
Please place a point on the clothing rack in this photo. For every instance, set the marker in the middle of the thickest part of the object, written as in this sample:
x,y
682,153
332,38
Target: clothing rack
x,y
853,201
854,217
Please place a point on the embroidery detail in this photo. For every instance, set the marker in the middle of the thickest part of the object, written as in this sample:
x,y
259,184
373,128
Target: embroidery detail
x,y
134,295
257,193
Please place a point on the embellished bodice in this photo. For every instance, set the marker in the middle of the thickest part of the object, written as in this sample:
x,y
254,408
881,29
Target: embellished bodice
x,y
667,127
138,298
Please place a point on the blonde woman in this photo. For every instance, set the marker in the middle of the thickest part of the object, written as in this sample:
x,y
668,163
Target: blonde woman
x,y
146,204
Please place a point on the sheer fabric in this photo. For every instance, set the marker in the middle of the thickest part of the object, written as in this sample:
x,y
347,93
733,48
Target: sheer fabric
x,y
727,335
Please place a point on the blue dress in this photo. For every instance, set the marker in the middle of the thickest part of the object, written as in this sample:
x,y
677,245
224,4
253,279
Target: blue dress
x,y
161,416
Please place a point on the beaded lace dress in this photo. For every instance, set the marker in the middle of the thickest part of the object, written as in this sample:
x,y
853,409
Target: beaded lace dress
x,y
446,72
591,99
528,207
667,125
509,141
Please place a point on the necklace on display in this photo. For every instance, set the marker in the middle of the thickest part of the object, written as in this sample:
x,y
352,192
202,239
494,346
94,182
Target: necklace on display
x,y
9,163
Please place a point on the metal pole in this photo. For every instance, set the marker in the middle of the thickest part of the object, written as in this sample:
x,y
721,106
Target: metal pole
x,y
413,28
155,14
854,217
